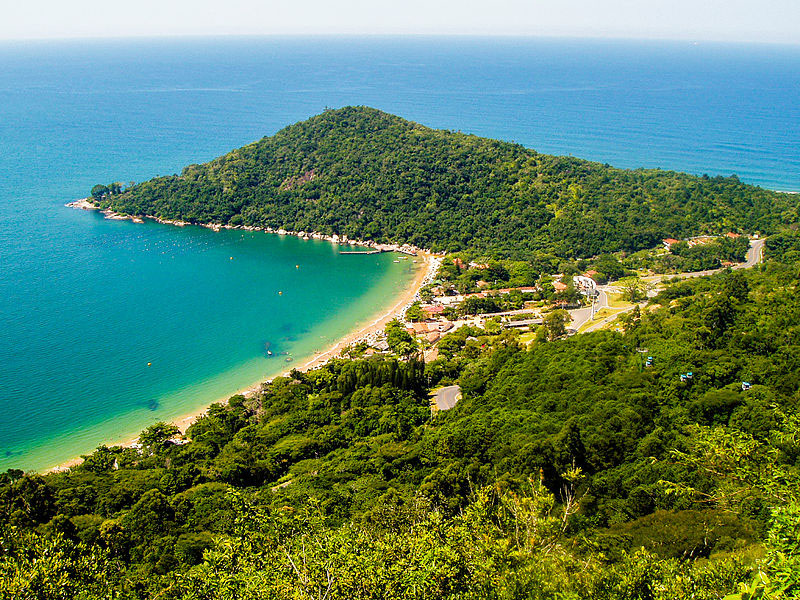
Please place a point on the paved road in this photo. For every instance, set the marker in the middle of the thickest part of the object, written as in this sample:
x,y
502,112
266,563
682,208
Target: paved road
x,y
610,318
447,397
755,255
582,315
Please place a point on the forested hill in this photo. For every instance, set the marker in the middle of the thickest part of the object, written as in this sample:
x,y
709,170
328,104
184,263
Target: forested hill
x,y
363,173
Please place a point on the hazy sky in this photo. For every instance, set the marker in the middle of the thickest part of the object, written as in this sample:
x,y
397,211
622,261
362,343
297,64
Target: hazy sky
x,y
734,20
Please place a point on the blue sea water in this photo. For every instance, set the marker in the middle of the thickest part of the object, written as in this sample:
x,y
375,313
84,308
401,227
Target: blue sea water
x,y
85,303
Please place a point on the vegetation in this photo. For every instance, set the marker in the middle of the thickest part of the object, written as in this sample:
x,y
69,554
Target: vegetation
x,y
571,468
658,462
701,257
369,175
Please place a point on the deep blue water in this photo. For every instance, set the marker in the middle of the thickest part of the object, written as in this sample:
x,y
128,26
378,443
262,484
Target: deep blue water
x,y
75,288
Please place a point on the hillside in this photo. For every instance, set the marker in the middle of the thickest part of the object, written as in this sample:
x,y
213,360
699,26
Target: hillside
x,y
359,172
570,469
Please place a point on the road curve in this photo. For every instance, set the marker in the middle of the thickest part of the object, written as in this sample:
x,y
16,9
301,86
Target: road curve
x,y
755,255
447,397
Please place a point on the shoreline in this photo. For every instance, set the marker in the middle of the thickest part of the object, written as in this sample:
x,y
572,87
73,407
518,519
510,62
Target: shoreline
x,y
362,331
86,204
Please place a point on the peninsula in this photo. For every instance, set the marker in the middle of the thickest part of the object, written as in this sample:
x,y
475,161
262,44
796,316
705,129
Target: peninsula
x,y
649,453
362,174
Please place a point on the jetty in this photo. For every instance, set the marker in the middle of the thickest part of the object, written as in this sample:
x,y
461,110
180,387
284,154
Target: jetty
x,y
361,251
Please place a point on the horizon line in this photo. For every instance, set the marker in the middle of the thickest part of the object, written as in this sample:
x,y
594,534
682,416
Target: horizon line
x,y
345,35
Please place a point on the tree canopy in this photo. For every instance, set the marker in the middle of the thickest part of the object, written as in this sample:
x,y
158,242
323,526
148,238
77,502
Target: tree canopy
x,y
366,174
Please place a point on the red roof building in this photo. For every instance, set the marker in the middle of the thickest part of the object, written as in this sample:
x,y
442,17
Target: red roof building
x,y
436,309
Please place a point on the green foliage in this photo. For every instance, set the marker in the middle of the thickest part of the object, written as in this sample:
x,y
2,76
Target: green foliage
x,y
555,324
546,480
783,246
400,341
99,191
154,438
35,567
608,268
366,174
414,313
706,256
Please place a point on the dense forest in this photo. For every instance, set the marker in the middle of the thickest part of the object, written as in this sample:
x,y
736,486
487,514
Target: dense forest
x,y
571,468
369,175
656,461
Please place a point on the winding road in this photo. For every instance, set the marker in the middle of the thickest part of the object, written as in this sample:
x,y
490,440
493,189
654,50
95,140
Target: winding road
x,y
755,255
447,397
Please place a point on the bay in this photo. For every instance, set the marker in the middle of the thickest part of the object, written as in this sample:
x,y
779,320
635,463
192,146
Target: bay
x,y
86,303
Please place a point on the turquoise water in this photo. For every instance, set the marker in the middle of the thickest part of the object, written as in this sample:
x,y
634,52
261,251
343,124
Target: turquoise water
x,y
85,303
203,308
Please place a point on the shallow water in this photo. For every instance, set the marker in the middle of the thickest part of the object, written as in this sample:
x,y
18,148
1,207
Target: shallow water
x,y
86,303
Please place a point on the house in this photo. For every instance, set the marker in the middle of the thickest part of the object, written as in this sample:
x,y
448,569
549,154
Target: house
x,y
435,309
559,286
585,285
700,240
732,235
521,290
669,242
426,328
417,328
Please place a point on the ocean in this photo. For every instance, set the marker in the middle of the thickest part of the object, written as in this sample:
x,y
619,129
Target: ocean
x,y
86,303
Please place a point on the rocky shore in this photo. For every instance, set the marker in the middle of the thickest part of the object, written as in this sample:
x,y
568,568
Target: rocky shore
x,y
86,204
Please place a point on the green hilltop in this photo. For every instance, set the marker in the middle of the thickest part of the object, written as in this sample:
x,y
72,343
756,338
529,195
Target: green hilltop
x,y
366,174
658,460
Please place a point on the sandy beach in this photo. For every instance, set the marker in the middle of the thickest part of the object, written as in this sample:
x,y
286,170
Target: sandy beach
x,y
424,273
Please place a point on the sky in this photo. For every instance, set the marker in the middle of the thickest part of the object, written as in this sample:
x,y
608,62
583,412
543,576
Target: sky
x,y
770,21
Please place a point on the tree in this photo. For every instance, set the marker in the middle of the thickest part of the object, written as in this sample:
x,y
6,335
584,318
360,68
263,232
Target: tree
x,y
99,191
400,341
608,267
632,288
154,437
51,568
736,285
555,324
414,313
